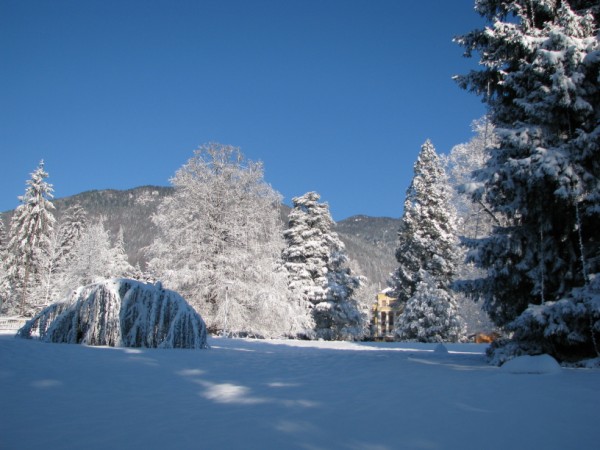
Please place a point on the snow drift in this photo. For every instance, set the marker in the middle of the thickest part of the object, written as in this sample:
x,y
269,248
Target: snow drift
x,y
532,364
120,313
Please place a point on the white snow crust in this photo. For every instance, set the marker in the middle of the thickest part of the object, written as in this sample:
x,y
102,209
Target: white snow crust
x,y
531,364
250,394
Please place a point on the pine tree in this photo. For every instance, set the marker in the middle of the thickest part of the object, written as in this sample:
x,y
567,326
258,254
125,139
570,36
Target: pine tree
x,y
540,79
72,226
431,314
427,245
119,264
30,229
220,242
57,257
318,271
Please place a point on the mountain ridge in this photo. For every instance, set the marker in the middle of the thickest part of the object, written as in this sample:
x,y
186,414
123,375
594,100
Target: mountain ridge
x,y
370,241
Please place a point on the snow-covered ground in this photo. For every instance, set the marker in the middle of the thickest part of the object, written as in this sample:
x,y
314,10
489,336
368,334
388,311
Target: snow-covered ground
x,y
245,394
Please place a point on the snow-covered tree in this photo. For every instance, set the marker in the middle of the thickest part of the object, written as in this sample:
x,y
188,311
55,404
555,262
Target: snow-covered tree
x,y
319,275
474,219
29,237
120,313
4,280
220,241
431,314
3,236
541,60
92,258
120,266
427,243
72,225
55,260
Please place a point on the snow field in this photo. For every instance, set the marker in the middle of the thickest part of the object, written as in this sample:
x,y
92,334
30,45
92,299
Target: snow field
x,y
246,394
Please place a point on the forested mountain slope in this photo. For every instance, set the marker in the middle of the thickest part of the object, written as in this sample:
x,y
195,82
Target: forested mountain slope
x,y
370,241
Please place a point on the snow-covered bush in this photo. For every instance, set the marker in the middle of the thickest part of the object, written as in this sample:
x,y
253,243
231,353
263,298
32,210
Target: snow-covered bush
x,y
120,313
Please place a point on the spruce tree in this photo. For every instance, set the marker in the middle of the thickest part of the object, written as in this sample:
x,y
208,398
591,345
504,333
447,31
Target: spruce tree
x,y
120,265
72,225
540,79
30,229
431,314
318,271
427,251
56,260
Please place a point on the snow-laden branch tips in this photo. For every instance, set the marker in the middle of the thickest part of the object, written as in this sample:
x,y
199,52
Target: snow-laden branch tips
x,y
120,313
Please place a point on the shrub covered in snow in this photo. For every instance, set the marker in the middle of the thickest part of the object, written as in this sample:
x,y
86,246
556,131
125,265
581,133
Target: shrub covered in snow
x,y
120,313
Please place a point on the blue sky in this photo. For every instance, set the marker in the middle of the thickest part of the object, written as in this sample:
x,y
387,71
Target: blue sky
x,y
333,96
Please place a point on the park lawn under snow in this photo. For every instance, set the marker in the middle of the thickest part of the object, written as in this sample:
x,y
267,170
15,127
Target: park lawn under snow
x,y
248,394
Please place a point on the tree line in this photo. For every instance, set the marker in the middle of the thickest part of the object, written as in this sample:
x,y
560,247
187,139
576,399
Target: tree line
x,y
220,243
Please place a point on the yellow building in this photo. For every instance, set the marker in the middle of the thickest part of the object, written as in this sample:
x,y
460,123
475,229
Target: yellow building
x,y
385,312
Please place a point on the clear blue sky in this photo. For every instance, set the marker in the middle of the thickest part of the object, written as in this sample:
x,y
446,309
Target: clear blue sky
x,y
333,96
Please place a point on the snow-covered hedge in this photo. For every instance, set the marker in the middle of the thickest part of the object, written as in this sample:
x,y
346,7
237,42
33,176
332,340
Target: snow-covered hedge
x,y
120,313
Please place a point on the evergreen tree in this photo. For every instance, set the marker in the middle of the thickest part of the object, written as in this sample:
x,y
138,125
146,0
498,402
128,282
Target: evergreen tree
x,y
3,237
72,226
318,271
57,257
220,242
119,264
30,229
431,314
540,79
427,247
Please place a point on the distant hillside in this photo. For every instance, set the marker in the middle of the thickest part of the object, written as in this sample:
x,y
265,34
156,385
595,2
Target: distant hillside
x,y
370,241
